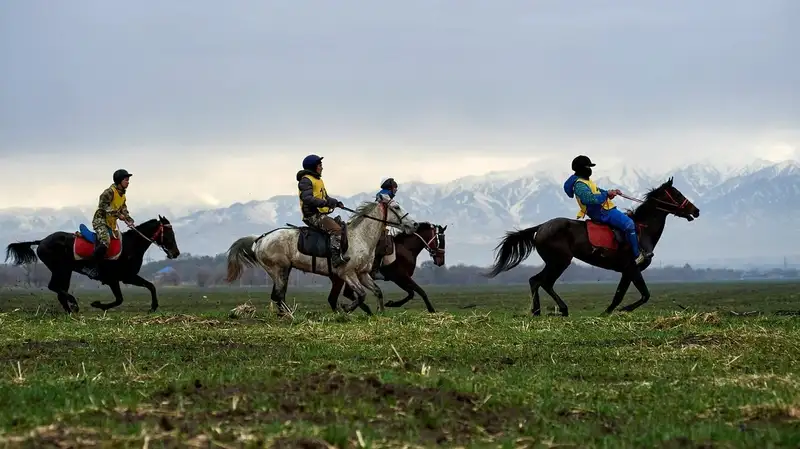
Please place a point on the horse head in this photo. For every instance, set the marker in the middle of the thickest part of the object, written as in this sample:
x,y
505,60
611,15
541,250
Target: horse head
x,y
432,236
159,231
669,199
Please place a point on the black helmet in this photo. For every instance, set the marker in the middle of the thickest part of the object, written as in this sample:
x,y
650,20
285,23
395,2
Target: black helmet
x,y
581,162
121,174
389,184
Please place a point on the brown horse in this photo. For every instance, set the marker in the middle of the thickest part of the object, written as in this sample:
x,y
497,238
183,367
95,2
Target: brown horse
x,y
407,247
559,240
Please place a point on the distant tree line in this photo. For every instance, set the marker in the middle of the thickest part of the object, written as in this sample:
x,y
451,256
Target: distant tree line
x,y
206,271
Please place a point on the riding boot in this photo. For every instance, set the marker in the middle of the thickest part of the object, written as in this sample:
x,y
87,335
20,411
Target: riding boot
x,y
98,257
337,258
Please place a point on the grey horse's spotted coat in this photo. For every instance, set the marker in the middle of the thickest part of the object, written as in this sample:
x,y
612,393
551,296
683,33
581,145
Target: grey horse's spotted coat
x,y
276,252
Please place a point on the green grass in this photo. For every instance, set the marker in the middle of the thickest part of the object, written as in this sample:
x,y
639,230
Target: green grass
x,y
480,373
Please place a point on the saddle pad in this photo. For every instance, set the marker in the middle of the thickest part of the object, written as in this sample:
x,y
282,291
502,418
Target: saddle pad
x,y
601,235
83,249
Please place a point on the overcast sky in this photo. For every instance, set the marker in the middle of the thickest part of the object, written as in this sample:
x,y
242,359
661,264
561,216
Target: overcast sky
x,y
216,102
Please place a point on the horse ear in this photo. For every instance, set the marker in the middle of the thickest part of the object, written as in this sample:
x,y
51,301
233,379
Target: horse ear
x,y
444,228
670,181
160,218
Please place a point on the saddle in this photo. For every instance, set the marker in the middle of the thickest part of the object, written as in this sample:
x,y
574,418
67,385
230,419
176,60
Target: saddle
x,y
316,243
604,236
85,239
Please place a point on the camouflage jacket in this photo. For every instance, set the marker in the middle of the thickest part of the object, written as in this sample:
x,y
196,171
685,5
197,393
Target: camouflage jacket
x,y
104,204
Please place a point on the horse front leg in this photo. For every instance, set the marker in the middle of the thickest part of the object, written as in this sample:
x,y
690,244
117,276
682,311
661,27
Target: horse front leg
x,y
114,286
622,288
358,289
142,282
368,282
638,282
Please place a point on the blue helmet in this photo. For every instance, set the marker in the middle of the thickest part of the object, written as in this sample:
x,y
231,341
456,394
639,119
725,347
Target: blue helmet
x,y
311,161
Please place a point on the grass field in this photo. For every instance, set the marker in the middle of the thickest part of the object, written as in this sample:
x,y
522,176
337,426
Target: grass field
x,y
480,373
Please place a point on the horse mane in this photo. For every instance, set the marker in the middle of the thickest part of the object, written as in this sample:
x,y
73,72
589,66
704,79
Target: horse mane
x,y
642,209
362,211
132,230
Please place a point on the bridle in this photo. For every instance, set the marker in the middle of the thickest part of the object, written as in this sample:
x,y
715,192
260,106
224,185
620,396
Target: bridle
x,y
678,206
437,236
158,236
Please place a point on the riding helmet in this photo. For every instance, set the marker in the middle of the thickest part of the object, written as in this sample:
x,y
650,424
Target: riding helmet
x,y
581,162
311,161
121,174
389,184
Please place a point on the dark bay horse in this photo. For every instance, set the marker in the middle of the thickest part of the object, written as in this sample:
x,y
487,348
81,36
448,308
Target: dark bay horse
x,y
559,240
407,247
57,251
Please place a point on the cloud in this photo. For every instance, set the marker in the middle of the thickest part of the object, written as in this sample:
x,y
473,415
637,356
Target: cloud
x,y
219,103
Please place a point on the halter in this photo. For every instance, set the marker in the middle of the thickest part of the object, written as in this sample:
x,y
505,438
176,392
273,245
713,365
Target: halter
x,y
436,236
159,233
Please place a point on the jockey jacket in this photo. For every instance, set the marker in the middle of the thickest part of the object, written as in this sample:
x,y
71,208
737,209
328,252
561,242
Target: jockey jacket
x,y
314,198
591,200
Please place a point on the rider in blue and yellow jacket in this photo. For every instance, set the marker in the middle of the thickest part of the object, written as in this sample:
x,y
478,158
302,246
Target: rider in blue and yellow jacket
x,y
597,204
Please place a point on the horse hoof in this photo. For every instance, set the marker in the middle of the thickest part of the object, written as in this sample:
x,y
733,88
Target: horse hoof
x,y
97,304
153,309
391,304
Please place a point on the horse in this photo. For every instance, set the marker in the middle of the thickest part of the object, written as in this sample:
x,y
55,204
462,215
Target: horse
x,y
280,250
65,252
401,264
559,240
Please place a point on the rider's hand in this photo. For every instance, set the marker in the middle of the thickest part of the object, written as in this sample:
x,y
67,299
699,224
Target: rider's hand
x,y
611,194
339,204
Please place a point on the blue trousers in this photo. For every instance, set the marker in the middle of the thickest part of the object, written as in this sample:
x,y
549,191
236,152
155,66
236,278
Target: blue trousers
x,y
617,219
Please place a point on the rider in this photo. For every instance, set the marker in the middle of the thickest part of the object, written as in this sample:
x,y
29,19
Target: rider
x,y
111,207
315,205
386,194
596,203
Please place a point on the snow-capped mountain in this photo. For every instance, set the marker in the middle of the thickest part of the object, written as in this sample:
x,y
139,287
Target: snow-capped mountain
x,y
746,212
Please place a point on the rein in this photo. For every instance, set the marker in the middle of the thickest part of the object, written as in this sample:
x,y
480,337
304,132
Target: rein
x,y
673,203
432,251
159,232
384,221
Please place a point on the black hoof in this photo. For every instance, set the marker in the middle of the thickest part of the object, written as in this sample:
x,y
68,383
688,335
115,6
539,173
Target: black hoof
x,y
97,305
391,304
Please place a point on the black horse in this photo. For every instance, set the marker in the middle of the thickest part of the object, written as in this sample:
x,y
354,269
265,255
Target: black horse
x,y
559,240
407,248
58,254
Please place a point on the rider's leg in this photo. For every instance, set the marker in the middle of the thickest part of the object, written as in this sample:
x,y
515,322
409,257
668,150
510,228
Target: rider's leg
x,y
380,251
620,220
330,226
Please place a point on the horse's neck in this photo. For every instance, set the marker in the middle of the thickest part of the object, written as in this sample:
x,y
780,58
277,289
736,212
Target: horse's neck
x,y
136,244
369,230
416,245
654,222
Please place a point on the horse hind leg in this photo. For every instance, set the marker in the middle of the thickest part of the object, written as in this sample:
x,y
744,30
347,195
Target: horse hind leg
x,y
552,271
535,282
280,282
59,284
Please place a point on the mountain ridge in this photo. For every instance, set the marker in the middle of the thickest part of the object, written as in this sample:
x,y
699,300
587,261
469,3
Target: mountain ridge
x,y
755,199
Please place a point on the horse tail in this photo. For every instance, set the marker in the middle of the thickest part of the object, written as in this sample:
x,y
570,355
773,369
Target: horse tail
x,y
514,248
240,255
22,252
